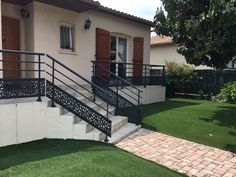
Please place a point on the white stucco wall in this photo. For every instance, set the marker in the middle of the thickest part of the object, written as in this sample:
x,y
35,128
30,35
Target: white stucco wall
x,y
47,36
159,54
22,122
150,94
1,74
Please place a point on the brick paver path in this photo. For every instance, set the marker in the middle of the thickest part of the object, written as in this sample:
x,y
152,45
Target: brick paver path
x,y
180,155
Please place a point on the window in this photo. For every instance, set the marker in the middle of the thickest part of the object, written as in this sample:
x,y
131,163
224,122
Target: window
x,y
118,53
118,49
67,37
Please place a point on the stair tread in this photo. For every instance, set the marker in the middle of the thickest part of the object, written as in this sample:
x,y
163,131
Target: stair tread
x,y
117,119
68,114
123,132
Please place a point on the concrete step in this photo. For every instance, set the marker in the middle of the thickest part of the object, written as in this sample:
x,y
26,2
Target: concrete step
x,y
82,127
117,123
123,133
71,115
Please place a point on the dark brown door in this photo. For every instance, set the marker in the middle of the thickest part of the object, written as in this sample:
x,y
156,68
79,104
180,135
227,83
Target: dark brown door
x,y
102,51
10,41
138,57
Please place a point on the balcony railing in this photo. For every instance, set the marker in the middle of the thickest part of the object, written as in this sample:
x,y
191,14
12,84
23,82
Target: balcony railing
x,y
136,74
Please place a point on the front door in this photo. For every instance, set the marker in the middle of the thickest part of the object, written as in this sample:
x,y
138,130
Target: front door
x,y
10,41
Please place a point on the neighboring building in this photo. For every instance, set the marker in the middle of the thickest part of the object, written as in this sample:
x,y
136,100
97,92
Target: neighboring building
x,y
163,49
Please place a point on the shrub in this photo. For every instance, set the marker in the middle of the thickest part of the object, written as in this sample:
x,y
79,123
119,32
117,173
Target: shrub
x,y
227,93
180,76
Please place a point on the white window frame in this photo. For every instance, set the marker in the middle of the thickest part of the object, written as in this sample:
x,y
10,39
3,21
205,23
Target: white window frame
x,y
71,38
117,36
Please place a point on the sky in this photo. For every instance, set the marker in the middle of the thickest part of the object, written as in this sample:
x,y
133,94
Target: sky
x,y
142,8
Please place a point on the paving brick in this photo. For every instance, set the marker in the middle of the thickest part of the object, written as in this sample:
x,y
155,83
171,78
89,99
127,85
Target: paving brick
x,y
181,155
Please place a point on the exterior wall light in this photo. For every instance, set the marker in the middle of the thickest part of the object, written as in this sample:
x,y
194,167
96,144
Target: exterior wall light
x,y
87,24
24,13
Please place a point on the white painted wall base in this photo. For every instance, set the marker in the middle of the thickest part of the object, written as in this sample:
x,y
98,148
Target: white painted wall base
x,y
151,94
22,122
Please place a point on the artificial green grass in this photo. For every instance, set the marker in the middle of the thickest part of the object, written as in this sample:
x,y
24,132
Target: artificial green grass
x,y
70,158
201,121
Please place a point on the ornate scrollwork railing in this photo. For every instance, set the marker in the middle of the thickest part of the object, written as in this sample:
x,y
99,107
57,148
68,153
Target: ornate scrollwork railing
x,y
78,108
21,88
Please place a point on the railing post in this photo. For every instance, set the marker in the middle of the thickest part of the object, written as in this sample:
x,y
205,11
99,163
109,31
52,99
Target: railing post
x,y
139,98
39,79
106,139
145,76
94,79
117,92
53,82
163,76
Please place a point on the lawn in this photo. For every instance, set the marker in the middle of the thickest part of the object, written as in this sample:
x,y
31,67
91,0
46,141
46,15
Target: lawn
x,y
204,122
70,158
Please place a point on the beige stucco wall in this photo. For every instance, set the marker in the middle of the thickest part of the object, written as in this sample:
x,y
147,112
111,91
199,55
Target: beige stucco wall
x,y
159,54
40,33
46,35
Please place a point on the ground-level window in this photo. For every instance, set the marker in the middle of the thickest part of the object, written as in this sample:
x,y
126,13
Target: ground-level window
x,y
118,49
67,37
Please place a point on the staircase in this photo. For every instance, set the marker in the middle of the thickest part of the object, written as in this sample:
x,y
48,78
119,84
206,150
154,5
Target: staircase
x,y
75,111
66,125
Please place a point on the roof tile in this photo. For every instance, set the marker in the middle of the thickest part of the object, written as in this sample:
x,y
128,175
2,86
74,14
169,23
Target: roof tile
x,y
159,40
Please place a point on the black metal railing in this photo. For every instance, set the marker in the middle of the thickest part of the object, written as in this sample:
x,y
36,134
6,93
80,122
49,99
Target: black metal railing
x,y
20,86
135,74
122,95
56,73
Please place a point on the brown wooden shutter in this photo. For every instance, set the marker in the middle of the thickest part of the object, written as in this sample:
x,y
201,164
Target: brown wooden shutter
x,y
102,50
11,41
138,56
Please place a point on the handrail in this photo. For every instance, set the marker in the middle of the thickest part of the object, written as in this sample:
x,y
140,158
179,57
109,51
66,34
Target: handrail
x,y
117,76
90,83
52,66
21,52
120,101
130,63
149,74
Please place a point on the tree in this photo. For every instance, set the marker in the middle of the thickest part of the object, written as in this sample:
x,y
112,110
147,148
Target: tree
x,y
204,30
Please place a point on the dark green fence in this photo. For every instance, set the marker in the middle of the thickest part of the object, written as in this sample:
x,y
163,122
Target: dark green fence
x,y
206,82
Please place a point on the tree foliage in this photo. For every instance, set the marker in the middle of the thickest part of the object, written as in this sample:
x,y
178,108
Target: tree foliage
x,y
204,30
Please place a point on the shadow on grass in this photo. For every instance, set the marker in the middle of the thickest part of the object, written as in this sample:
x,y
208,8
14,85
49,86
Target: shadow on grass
x,y
231,147
11,156
156,108
224,117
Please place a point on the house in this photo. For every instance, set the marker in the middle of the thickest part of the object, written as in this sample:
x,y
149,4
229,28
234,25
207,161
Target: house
x,y
163,49
82,61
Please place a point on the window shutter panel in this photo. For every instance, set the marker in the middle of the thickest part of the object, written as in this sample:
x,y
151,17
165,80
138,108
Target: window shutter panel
x,y
138,56
102,51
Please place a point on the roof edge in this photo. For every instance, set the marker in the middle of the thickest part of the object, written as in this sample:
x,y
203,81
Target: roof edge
x,y
124,15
